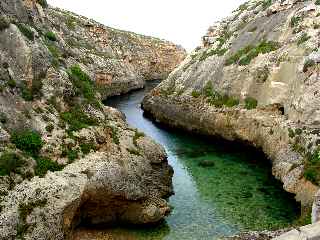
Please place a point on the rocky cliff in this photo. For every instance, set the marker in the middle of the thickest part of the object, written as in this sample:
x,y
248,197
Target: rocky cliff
x,y
255,79
65,159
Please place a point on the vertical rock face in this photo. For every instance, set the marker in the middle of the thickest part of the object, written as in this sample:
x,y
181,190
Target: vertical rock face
x,y
256,79
66,159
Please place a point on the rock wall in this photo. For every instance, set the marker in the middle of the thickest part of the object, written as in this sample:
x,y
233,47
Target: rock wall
x,y
65,159
255,79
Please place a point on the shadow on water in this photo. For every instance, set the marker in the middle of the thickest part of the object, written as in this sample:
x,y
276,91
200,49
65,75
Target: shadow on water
x,y
221,187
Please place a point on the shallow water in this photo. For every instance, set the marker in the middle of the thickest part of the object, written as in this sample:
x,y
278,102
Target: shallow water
x,y
236,193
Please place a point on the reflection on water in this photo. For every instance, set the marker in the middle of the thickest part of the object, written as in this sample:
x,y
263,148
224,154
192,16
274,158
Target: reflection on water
x,y
220,188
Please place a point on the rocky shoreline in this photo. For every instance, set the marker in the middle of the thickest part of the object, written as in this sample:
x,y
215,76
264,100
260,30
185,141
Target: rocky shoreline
x,y
255,80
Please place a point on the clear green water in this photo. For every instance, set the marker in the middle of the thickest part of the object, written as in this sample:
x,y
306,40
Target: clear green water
x,y
238,193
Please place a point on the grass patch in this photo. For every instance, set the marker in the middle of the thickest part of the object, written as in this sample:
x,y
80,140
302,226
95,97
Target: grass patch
x,y
10,162
245,55
250,103
28,141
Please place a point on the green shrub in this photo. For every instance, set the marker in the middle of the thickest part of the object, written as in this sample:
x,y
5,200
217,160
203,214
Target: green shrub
x,y
4,23
9,162
291,133
26,31
250,103
266,4
43,3
195,94
27,140
223,100
26,92
71,22
208,90
308,64
82,82
46,164
245,55
87,147
231,102
49,128
72,155
77,119
312,167
317,2
12,83
304,37
51,36
295,21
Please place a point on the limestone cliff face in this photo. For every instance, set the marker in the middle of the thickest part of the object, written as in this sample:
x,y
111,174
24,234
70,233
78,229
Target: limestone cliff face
x,y
256,79
66,159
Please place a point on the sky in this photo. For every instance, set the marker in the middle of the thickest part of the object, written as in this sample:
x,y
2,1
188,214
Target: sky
x,y
183,22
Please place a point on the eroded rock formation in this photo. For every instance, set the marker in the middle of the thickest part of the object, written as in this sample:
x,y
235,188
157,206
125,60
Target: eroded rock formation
x,y
65,158
255,79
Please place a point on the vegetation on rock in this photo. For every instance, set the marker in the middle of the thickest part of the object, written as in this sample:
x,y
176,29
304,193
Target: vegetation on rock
x,y
10,162
77,119
4,22
26,31
245,55
250,103
28,141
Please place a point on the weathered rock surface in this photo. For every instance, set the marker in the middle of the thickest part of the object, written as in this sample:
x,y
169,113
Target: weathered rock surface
x,y
256,79
66,159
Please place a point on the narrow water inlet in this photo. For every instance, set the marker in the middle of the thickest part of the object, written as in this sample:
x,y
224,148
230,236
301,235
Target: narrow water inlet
x,y
221,188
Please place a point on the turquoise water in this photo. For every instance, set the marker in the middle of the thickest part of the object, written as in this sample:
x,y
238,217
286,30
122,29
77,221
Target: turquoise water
x,y
221,188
